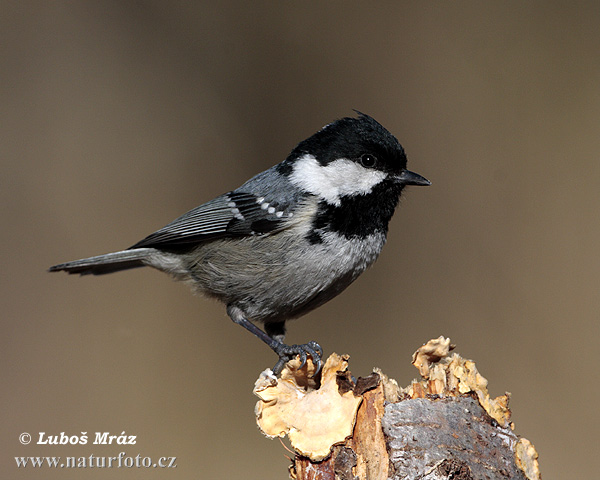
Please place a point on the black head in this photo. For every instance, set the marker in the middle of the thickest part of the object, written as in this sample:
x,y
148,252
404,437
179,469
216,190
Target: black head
x,y
357,169
360,139
349,157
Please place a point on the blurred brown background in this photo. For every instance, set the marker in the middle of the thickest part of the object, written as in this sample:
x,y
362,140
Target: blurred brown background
x,y
119,116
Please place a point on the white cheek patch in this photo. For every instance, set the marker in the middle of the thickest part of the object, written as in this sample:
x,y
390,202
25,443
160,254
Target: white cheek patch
x,y
340,177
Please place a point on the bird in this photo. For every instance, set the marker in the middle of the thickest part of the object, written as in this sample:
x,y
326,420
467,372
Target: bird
x,y
289,239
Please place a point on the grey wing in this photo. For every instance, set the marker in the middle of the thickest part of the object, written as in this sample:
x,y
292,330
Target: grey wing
x,y
233,214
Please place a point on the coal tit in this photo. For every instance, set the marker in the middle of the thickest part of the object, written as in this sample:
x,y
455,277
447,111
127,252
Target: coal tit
x,y
289,239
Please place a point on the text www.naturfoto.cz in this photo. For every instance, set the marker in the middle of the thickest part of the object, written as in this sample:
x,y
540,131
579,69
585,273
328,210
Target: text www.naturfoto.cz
x,y
92,461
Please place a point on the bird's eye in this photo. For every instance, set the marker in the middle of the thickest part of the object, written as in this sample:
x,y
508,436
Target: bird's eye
x,y
368,160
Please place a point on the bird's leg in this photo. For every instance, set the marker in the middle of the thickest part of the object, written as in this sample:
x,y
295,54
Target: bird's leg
x,y
285,352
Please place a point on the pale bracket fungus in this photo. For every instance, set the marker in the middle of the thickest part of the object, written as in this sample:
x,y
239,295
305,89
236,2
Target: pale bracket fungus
x,y
443,426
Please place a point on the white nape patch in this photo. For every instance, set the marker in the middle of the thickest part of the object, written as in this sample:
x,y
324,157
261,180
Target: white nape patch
x,y
340,177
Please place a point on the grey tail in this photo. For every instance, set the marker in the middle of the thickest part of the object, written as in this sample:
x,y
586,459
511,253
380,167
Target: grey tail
x,y
109,263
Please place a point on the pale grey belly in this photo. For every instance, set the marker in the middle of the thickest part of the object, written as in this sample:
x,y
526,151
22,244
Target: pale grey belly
x,y
274,278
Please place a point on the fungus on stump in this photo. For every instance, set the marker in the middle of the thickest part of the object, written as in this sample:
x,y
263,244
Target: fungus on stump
x,y
444,426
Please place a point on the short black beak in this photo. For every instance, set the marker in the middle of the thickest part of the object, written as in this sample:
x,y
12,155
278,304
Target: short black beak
x,y
411,178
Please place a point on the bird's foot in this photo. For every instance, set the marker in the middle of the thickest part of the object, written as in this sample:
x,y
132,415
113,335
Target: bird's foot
x,y
288,352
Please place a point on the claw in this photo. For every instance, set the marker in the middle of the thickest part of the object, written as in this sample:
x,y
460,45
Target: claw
x,y
318,366
287,352
315,346
279,366
302,355
315,356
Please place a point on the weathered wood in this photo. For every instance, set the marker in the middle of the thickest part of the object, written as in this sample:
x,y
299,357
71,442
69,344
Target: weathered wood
x,y
442,427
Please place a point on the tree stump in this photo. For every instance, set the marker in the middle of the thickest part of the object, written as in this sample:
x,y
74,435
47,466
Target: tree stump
x,y
444,426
